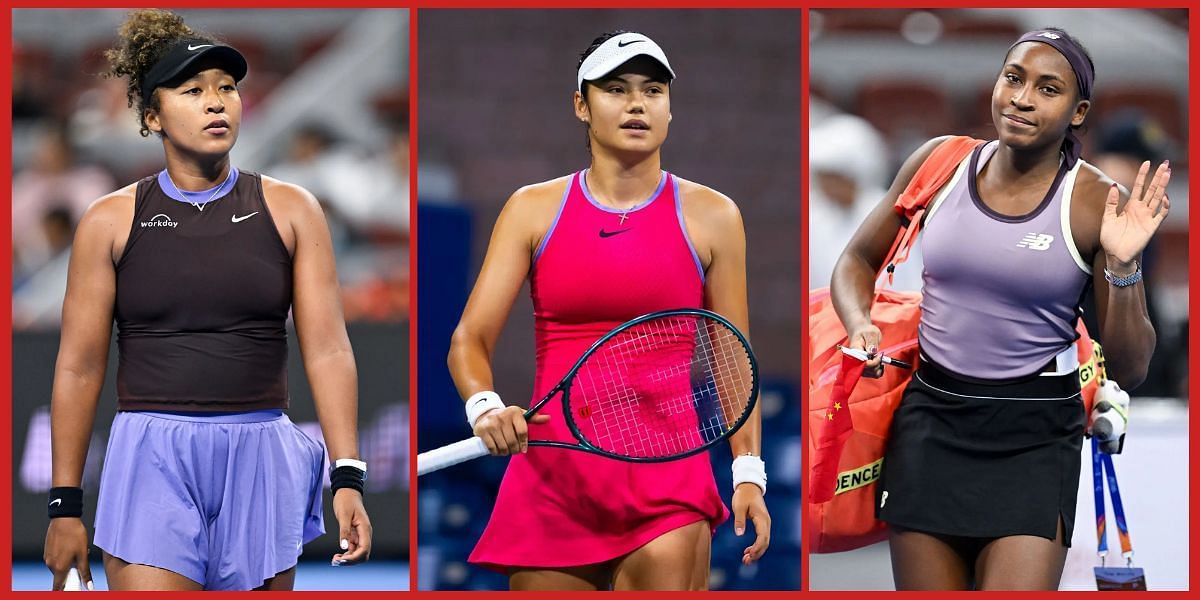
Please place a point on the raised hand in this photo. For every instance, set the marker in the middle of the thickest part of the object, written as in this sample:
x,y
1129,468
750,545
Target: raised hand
x,y
1124,234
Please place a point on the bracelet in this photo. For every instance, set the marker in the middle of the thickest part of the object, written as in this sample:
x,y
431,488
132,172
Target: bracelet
x,y
481,402
65,502
748,468
347,477
1124,281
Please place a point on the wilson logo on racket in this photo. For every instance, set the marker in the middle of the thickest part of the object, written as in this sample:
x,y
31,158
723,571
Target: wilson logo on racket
x,y
660,387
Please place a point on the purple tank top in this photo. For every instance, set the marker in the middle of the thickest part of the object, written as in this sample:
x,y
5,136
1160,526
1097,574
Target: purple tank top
x,y
1000,293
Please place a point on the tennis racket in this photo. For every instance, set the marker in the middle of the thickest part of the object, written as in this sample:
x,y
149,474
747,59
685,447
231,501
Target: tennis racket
x,y
660,387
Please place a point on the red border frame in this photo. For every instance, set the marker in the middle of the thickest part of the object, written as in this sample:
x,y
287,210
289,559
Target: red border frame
x,y
805,354
412,301
414,6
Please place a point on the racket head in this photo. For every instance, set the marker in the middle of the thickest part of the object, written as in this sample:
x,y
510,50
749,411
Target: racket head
x,y
661,387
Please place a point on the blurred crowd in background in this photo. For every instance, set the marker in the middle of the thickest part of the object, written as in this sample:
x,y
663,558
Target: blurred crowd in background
x,y
883,82
75,139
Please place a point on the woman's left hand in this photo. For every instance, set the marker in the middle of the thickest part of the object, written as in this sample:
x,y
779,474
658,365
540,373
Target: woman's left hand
x,y
1123,236
748,502
354,527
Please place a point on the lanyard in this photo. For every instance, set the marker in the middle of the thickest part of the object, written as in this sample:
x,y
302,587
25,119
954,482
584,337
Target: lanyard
x,y
1102,469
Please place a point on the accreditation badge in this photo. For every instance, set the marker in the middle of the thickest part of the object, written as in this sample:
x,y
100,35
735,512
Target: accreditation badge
x,y
1120,579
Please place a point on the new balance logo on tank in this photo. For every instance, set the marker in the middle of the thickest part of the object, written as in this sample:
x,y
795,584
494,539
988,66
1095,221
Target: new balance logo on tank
x,y
1036,241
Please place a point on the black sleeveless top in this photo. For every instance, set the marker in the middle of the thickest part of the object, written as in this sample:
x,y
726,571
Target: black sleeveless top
x,y
202,301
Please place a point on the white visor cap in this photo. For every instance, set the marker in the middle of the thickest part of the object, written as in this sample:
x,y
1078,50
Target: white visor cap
x,y
616,51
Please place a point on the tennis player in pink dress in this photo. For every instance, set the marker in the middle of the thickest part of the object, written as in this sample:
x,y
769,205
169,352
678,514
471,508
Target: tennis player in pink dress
x,y
601,246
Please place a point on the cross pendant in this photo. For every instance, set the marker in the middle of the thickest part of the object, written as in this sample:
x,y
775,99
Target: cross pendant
x,y
624,215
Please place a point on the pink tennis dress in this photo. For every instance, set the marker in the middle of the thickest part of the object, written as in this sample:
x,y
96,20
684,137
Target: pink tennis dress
x,y
596,268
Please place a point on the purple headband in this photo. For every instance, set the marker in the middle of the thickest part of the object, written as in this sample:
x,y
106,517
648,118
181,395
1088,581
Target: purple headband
x,y
1085,74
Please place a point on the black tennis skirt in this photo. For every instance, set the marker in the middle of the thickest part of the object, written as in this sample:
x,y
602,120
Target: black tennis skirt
x,y
983,459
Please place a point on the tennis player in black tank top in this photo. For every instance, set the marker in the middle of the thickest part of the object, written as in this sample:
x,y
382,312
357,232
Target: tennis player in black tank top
x,y
206,484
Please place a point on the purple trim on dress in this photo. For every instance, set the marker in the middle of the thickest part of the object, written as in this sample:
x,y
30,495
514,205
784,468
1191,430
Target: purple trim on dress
x,y
683,229
562,204
662,182
973,170
201,197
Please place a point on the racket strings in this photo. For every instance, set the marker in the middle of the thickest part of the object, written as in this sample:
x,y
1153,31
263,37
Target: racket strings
x,y
663,387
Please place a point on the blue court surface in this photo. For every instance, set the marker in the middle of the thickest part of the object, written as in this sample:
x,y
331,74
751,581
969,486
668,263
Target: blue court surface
x,y
371,576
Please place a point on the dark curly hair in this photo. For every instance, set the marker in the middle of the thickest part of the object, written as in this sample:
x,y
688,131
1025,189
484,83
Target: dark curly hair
x,y
143,39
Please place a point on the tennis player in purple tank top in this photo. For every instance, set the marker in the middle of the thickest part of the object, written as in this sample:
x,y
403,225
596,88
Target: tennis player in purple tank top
x,y
981,473
206,484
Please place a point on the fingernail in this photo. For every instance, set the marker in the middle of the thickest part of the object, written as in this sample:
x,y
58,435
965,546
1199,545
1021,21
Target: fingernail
x,y
90,586
335,563
739,530
345,545
1167,164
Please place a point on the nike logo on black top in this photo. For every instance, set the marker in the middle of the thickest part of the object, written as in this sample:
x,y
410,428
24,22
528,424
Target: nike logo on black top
x,y
623,44
605,234
237,219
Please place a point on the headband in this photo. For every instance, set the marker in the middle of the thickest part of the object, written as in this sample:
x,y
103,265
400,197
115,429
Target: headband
x,y
1085,75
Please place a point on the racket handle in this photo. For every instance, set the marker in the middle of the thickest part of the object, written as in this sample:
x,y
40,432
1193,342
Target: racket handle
x,y
73,584
446,456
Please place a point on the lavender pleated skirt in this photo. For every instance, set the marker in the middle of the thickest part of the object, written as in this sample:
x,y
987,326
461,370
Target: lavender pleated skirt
x,y
226,500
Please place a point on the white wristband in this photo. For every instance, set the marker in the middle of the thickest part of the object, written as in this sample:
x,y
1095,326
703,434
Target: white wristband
x,y
350,462
481,402
748,468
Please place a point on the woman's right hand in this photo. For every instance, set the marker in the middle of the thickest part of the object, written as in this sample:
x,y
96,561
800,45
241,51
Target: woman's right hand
x,y
66,547
505,430
867,337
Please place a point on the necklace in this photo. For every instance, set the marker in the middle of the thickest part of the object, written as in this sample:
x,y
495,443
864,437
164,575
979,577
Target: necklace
x,y
216,191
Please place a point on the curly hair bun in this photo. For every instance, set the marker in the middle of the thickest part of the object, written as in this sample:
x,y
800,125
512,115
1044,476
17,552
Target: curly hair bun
x,y
143,39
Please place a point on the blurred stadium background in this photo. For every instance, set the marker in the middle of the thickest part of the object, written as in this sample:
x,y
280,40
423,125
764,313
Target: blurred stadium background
x,y
495,114
326,107
885,81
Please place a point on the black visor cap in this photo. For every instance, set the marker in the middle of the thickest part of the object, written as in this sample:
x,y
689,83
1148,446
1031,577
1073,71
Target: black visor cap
x,y
183,55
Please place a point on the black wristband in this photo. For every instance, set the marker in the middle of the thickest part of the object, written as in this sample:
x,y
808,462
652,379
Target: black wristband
x,y
347,477
65,502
